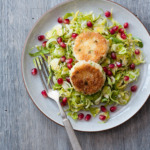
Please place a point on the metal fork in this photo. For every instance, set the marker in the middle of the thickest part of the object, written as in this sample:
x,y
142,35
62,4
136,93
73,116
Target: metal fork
x,y
54,95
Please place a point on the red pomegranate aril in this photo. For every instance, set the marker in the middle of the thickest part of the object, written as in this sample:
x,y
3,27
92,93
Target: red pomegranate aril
x,y
60,81
113,55
109,73
68,79
34,71
80,116
44,94
69,66
62,44
64,100
66,21
126,25
89,24
63,104
133,88
41,37
44,43
103,109
119,64
112,31
69,60
60,20
111,66
132,66
121,30
63,59
59,39
113,108
123,36
115,28
137,51
126,78
102,117
87,117
105,69
74,35
107,14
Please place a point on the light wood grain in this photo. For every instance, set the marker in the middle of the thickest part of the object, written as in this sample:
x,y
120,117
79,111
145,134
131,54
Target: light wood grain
x,y
22,125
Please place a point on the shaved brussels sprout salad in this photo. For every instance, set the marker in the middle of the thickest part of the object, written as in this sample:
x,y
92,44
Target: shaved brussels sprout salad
x,y
119,65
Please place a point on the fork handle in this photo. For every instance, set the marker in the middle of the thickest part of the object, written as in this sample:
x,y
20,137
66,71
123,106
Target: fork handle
x,y
71,134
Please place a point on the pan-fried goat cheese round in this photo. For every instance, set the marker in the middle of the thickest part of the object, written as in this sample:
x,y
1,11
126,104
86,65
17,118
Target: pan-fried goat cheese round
x,y
90,46
87,77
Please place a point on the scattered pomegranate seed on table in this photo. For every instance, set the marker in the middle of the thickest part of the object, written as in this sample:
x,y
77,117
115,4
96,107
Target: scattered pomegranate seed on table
x,y
137,51
59,40
132,66
102,117
103,109
126,25
133,88
63,59
115,28
62,44
87,117
113,55
60,81
69,60
44,43
126,78
60,20
41,37
107,14
34,71
68,79
69,66
109,73
66,21
44,94
74,35
112,31
121,30
111,66
123,36
105,69
119,64
113,108
80,116
89,24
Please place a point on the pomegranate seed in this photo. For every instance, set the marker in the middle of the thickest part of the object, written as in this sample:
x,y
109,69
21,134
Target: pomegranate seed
x,y
60,81
69,60
62,44
102,117
109,73
113,108
103,109
119,64
121,30
66,21
113,55
64,100
126,25
105,69
126,78
69,66
60,20
107,14
133,88
87,117
68,79
137,51
59,39
112,31
89,24
44,94
44,43
123,36
132,66
41,37
63,104
34,71
63,59
74,35
80,116
111,66
115,28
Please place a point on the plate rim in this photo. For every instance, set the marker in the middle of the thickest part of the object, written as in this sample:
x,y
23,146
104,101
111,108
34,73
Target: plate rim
x,y
23,51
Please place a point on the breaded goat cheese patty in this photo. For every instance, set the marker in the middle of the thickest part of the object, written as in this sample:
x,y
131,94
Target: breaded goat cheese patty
x,y
87,77
90,46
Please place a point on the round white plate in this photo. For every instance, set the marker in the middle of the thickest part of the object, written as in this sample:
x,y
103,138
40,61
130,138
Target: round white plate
x,y
33,83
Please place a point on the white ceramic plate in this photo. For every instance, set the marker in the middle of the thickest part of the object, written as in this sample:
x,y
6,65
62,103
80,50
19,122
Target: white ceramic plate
x,y
34,86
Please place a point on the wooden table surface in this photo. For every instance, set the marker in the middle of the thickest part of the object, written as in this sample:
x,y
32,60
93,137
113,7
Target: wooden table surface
x,y
22,125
